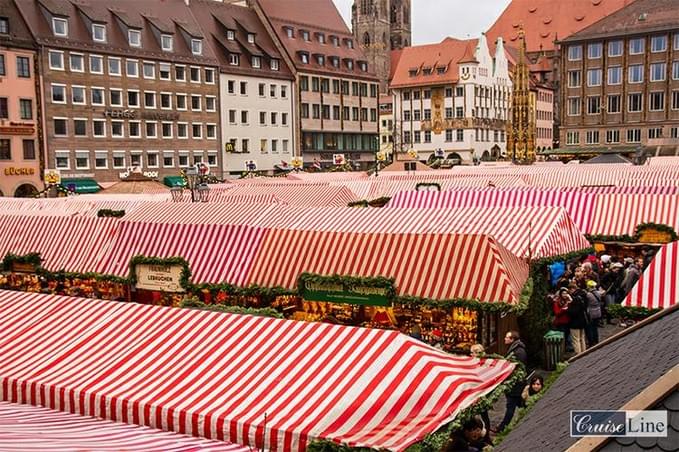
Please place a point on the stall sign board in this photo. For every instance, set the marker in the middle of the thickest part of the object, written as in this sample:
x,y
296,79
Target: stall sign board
x,y
345,293
653,235
23,267
163,278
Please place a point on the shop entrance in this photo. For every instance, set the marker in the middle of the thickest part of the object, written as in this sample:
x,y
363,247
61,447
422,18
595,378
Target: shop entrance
x,y
25,191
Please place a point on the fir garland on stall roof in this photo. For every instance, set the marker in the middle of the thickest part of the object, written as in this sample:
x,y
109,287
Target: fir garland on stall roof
x,y
184,279
267,295
30,258
377,202
106,213
625,238
194,303
631,312
427,185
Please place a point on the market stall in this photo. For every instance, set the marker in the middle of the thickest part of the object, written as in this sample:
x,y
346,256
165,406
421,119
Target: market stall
x,y
620,214
658,286
260,382
439,283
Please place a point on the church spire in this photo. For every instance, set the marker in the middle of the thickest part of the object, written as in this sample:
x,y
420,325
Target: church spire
x,y
521,133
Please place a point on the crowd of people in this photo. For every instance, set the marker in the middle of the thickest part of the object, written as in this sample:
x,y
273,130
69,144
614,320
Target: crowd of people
x,y
584,291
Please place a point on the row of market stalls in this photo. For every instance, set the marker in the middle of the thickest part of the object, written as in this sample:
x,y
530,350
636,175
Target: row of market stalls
x,y
262,383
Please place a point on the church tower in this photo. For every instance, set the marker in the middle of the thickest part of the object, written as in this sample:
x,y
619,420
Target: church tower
x,y
379,27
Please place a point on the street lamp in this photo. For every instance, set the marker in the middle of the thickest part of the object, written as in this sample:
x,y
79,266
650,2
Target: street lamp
x,y
195,183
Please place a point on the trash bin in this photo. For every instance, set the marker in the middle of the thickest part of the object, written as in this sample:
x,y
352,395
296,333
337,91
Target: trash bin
x,y
555,346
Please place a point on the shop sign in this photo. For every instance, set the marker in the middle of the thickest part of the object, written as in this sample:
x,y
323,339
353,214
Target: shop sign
x,y
345,293
120,113
52,177
13,171
23,267
163,278
17,130
653,235
147,174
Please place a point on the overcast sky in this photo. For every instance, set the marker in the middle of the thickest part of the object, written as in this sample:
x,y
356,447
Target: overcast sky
x,y
433,20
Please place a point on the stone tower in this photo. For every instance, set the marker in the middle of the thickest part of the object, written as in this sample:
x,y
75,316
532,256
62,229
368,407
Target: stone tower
x,y
522,126
381,26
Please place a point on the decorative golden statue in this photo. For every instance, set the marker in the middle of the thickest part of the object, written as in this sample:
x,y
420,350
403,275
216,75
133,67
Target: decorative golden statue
x,y
521,127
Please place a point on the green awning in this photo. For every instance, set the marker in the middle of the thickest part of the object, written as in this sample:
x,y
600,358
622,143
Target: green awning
x,y
81,185
173,181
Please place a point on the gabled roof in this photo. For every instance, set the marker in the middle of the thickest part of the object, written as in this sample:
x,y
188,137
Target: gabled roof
x,y
449,53
605,377
322,14
640,16
545,21
19,34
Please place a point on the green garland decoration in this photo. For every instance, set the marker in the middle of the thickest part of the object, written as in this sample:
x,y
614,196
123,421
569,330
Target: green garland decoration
x,y
30,258
62,275
625,238
361,203
631,312
381,282
427,184
194,303
379,202
266,294
660,227
106,213
530,403
184,280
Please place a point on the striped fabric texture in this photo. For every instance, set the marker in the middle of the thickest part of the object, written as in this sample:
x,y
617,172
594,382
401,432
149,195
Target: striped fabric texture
x,y
658,285
260,382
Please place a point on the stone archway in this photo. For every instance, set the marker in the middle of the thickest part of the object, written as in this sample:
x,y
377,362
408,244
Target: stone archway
x,y
25,191
495,152
485,157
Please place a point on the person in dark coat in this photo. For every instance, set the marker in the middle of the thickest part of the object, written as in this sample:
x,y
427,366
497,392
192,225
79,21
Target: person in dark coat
x,y
517,351
578,318
470,438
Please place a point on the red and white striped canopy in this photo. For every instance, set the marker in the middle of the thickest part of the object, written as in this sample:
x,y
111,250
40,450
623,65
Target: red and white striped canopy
x,y
294,193
525,231
203,213
658,286
216,252
26,428
618,214
64,242
578,205
437,266
263,382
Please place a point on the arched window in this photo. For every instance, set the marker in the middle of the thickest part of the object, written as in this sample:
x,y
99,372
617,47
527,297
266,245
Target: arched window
x,y
366,39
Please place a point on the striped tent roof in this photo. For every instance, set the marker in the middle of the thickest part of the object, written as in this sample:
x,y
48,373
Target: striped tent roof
x,y
658,285
216,253
68,243
535,231
437,266
618,214
578,205
262,382
203,213
296,194
26,428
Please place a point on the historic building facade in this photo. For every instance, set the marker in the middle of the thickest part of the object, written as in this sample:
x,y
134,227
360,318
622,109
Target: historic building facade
x,y
621,79
452,100
20,159
123,87
257,98
337,92
379,27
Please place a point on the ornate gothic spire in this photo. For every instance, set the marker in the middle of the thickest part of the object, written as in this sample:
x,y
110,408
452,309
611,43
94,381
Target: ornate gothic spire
x,y
521,133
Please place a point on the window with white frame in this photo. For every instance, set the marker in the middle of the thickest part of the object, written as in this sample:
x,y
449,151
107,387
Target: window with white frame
x,y
197,46
614,104
149,99
181,102
197,157
594,77
166,43
615,75
114,66
230,35
574,79
60,127
166,128
194,74
195,103
99,128
115,97
149,70
119,160
166,101
636,73
572,138
615,48
656,101
210,103
58,93
183,159
180,73
62,160
574,106
135,158
212,159
636,46
574,53
132,68
675,100
151,129
82,160
256,62
635,102
96,64
275,64
675,70
658,71
164,71
134,129
168,159
659,43
133,98
197,130
211,131
251,38
99,32
210,76
612,136
60,26
152,159
655,132
592,137
676,41
134,38
56,60
183,130
100,159
117,129
78,95
80,127
594,50
76,62
234,59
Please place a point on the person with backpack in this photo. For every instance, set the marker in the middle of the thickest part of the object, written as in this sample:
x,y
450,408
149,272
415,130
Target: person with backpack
x,y
594,313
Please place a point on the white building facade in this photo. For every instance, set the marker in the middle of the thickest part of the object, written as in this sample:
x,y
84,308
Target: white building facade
x,y
452,100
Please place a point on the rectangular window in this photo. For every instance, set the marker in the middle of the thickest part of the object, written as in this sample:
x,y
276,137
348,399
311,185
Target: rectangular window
x,y
274,146
615,48
636,46
166,128
183,159
460,135
82,160
100,159
427,136
61,160
210,103
592,137
132,68
168,159
58,94
197,46
78,95
134,129
149,70
417,136
135,158
194,74
164,71
573,106
96,64
29,149
274,64
594,50
634,102
180,73
149,99
459,112
99,128
76,62
615,75
209,76
326,108
234,59
574,79
99,32
574,53
134,38
674,132
181,102
675,70
119,160
116,97
196,103
197,130
166,101
658,71
636,73
133,98
675,100
4,25
26,108
3,69
572,138
211,131
284,116
182,130
166,43
59,26
658,43
80,127
614,104
656,101
117,129
594,77
60,127
612,136
152,159
56,60
114,66
23,67
655,132
676,41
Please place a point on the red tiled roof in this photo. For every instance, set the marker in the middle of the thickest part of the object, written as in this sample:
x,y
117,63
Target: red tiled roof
x,y
544,21
657,15
448,53
321,13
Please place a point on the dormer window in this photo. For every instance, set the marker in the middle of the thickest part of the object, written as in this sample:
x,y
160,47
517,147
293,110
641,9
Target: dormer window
x,y
230,35
289,32
256,62
350,43
335,41
305,35
320,59
412,73
335,61
426,71
134,38
166,43
197,46
60,26
363,66
321,38
304,57
234,59
275,64
4,25
99,32
350,65
251,38
441,70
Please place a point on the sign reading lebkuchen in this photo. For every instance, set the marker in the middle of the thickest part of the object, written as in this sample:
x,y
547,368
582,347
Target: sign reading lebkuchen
x,y
163,278
651,234
345,292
